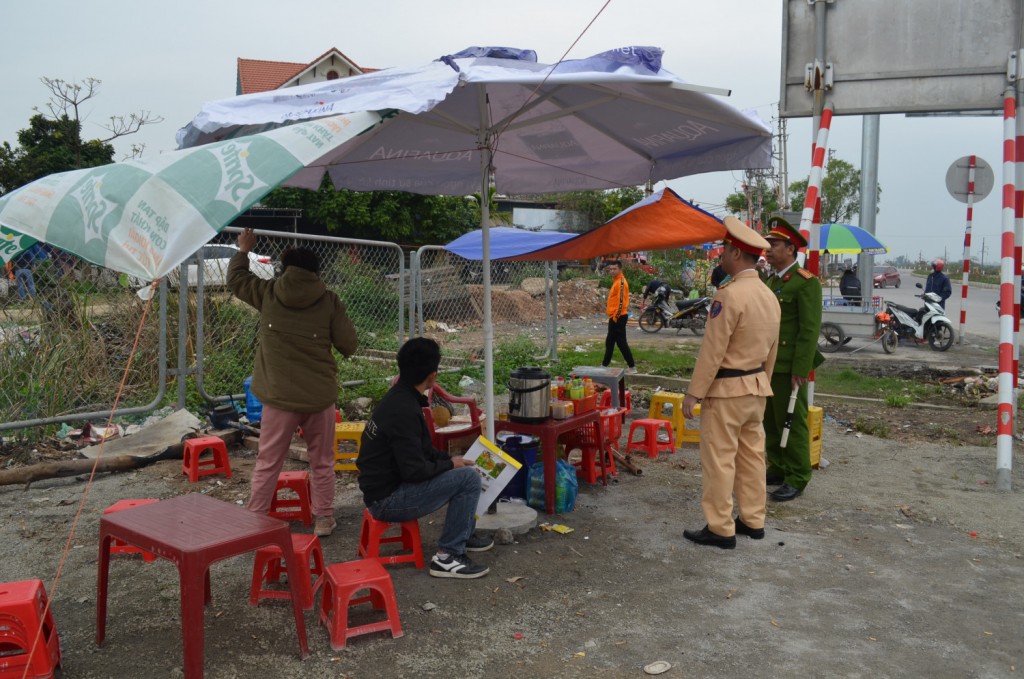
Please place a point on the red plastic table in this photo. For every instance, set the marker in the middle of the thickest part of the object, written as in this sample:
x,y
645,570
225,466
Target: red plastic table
x,y
194,531
548,431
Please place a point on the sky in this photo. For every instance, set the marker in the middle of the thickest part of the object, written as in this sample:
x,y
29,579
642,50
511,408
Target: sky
x,y
170,57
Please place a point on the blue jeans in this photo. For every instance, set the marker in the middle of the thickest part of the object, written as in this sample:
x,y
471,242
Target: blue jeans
x,y
26,285
458,488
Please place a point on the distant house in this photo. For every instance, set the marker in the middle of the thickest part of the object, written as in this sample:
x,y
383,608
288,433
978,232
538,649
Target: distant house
x,y
258,75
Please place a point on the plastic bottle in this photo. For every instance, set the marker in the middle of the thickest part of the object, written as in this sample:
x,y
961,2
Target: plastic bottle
x,y
561,387
588,387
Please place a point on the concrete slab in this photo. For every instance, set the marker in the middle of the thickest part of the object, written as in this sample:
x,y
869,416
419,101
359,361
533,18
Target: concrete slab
x,y
515,517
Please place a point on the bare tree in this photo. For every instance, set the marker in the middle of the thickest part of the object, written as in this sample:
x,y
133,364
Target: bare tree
x,y
67,97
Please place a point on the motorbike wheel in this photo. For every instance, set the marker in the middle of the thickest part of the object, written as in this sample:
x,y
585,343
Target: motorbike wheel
x,y
831,338
941,336
651,321
889,341
699,320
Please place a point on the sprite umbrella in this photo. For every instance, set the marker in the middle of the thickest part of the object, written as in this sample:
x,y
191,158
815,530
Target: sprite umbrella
x,y
846,239
611,120
144,217
13,243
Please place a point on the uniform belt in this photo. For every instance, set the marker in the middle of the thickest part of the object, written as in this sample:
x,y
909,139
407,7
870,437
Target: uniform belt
x,y
733,372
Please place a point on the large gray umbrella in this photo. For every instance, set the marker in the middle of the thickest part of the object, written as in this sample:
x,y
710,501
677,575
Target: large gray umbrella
x,y
612,120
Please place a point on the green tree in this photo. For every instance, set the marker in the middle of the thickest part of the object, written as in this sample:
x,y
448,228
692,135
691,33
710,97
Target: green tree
x,y
53,142
591,209
840,193
762,192
382,215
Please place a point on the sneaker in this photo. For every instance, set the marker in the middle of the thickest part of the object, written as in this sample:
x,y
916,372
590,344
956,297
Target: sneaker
x,y
456,566
631,371
324,526
478,543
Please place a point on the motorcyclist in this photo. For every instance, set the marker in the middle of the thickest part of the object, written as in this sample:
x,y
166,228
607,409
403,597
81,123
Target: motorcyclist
x,y
849,287
651,289
938,282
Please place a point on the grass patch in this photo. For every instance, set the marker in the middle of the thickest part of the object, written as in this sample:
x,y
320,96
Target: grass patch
x,y
895,391
873,427
897,400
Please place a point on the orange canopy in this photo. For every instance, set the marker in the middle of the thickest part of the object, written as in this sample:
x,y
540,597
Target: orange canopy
x,y
661,221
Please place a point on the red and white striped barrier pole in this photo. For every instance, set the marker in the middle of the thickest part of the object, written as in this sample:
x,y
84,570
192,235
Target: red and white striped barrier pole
x,y
1004,423
810,218
1018,237
972,164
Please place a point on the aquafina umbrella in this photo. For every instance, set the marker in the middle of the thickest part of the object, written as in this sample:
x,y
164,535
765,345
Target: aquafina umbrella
x,y
455,124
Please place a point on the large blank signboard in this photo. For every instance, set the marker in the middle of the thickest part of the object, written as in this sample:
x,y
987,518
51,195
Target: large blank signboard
x,y
902,56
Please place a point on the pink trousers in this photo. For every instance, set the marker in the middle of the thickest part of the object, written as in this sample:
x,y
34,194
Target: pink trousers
x,y
276,432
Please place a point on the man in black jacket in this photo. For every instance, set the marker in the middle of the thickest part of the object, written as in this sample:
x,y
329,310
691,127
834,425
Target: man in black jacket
x,y
403,477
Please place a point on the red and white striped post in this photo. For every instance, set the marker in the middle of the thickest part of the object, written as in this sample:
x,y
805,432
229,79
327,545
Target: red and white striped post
x,y
1004,423
1018,236
972,164
810,218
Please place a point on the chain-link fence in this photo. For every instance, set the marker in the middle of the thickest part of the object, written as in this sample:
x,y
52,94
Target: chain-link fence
x,y
368,276
67,329
448,301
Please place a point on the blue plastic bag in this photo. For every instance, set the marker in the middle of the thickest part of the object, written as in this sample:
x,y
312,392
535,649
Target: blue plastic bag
x,y
566,486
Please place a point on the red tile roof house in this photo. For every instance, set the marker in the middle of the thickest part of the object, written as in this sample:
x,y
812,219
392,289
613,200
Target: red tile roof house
x,y
257,75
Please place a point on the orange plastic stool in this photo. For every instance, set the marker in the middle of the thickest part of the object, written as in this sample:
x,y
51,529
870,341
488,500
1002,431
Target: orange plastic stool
x,y
195,467
606,401
343,580
371,537
120,546
22,606
650,443
292,509
268,567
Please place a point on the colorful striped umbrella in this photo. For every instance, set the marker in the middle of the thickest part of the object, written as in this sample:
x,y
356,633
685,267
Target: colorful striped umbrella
x,y
846,239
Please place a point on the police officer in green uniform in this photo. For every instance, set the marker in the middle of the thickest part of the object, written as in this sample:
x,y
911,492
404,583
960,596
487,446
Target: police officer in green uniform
x,y
799,295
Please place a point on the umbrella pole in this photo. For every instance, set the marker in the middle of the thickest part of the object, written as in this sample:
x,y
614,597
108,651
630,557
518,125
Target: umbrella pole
x,y
485,218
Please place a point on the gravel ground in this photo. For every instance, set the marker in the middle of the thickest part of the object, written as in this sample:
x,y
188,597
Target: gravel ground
x,y
901,559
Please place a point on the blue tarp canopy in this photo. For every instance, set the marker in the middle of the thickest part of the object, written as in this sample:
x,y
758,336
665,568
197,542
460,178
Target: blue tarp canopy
x,y
505,242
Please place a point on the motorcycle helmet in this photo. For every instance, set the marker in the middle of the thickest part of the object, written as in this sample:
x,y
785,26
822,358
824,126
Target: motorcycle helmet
x,y
938,264
662,291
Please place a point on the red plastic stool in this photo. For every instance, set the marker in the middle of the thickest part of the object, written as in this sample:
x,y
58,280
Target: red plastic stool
x,y
292,509
605,400
343,581
585,438
650,443
268,568
195,467
120,546
22,615
371,537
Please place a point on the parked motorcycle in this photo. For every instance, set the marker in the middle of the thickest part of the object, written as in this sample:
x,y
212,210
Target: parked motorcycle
x,y
927,324
688,313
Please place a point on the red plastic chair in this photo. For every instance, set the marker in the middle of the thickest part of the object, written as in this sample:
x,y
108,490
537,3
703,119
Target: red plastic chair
x,y
440,437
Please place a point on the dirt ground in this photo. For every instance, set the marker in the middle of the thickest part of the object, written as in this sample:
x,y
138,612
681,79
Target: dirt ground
x,y
901,559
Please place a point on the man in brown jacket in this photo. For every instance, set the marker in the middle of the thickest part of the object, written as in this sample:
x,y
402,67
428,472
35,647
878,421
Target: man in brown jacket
x,y
733,378
295,375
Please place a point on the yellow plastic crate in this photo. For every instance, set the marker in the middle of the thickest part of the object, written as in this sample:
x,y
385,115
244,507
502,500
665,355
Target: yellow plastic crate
x,y
347,431
815,415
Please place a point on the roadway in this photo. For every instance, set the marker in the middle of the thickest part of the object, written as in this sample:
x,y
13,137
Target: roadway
x,y
981,304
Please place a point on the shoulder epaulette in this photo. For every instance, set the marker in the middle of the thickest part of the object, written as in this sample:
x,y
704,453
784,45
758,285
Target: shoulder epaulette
x,y
805,273
725,283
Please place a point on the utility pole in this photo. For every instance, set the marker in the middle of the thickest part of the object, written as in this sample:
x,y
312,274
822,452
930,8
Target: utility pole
x,y
783,188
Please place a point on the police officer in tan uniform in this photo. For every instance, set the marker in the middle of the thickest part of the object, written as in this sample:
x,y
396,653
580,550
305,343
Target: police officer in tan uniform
x,y
731,380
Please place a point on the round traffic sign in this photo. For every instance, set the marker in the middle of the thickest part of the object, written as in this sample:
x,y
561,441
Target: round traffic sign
x,y
956,178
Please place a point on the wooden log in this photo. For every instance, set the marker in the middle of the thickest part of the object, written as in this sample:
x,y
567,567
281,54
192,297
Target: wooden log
x,y
626,462
52,470
116,463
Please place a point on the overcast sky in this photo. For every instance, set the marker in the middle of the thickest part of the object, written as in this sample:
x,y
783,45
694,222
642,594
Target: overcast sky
x,y
170,57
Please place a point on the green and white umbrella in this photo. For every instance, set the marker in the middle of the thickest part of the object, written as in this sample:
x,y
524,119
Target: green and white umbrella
x,y
144,217
13,243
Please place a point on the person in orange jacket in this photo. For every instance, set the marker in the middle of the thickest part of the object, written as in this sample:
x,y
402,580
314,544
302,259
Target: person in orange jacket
x,y
618,316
